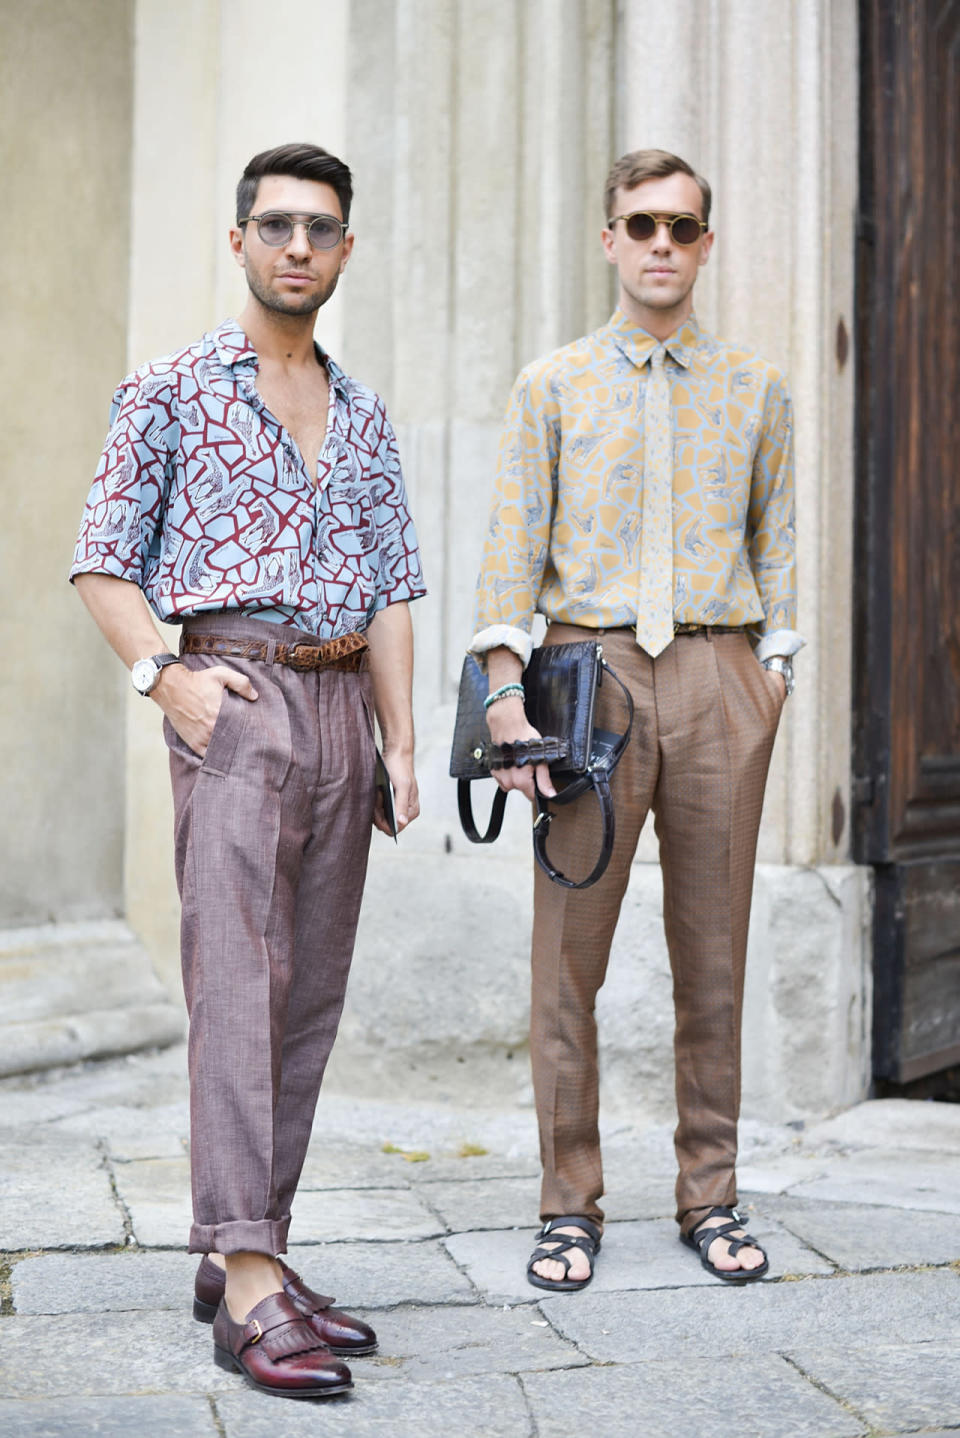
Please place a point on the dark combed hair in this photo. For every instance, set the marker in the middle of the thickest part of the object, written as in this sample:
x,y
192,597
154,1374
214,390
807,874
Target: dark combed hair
x,y
640,165
302,162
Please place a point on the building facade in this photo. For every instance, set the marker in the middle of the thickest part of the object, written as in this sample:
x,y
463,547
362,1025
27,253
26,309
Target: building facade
x,y
479,135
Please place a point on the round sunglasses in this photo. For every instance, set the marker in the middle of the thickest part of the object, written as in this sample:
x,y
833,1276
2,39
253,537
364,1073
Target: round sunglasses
x,y
642,225
275,228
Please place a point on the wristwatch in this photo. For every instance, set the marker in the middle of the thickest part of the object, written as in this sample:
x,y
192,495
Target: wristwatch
x,y
782,666
146,672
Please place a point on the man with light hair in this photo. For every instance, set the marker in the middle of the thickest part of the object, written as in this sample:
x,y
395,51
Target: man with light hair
x,y
644,499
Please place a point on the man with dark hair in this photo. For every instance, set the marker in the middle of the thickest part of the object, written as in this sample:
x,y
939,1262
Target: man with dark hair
x,y
645,499
251,492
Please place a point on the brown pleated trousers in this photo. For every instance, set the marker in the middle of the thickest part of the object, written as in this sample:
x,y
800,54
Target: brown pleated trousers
x,y
272,835
706,718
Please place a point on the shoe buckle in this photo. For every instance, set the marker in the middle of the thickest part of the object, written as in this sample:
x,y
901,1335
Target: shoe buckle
x,y
737,1215
255,1322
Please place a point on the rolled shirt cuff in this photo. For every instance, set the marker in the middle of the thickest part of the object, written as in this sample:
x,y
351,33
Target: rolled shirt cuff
x,y
779,641
506,636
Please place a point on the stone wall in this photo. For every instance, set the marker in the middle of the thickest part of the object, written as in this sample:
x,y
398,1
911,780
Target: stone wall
x,y
479,134
65,109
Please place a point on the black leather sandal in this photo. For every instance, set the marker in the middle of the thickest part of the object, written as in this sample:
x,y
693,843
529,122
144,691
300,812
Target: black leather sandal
x,y
701,1236
560,1245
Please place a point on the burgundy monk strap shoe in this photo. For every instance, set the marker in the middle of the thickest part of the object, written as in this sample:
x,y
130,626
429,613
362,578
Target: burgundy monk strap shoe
x,y
277,1351
343,1334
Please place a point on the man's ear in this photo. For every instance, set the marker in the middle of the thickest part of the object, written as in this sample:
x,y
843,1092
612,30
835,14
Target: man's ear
x,y
236,245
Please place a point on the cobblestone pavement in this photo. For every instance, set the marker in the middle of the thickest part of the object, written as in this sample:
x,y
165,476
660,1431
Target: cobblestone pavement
x,y
421,1217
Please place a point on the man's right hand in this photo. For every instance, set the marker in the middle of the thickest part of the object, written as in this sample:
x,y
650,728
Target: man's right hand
x,y
191,699
507,721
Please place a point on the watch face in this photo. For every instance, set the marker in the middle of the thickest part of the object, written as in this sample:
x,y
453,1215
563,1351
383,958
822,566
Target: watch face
x,y
144,675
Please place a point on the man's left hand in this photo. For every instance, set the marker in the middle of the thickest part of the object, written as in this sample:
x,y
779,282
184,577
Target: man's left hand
x,y
406,797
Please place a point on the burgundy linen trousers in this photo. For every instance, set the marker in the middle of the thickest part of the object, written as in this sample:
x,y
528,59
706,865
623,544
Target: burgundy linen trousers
x,y
706,715
272,832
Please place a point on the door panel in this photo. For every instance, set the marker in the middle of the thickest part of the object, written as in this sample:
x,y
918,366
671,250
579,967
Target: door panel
x,y
907,545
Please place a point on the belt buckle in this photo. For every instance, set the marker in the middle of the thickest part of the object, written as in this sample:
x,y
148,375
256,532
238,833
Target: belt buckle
x,y
303,657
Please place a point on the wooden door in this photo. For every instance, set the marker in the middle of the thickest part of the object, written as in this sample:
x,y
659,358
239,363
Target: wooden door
x,y
906,786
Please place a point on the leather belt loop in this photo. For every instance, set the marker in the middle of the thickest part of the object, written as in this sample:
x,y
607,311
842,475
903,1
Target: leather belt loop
x,y
271,650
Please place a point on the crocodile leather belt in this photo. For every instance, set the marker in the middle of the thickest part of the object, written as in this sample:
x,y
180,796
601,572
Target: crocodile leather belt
x,y
347,651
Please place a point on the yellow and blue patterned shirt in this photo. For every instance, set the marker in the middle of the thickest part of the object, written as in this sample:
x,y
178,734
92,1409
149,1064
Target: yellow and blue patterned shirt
x,y
564,535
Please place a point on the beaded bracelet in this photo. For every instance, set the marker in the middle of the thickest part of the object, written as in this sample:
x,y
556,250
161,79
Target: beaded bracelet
x,y
506,691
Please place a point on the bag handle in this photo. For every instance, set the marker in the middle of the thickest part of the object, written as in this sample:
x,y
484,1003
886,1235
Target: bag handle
x,y
597,778
467,822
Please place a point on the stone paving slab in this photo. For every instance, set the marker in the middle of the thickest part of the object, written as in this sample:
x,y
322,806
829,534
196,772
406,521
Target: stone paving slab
x,y
783,1173
893,1179
485,1407
154,1416
893,1123
378,1214
103,1283
156,1194
121,1353
54,1193
485,1203
133,1133
909,1385
443,1344
859,1237
380,1275
367,1275
679,1400
760,1317
635,1255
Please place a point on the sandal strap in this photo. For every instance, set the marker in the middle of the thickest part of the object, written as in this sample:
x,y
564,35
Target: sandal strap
x,y
572,1220
703,1235
539,1254
563,1243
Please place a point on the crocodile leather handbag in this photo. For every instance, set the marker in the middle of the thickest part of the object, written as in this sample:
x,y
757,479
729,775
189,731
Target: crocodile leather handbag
x,y
560,686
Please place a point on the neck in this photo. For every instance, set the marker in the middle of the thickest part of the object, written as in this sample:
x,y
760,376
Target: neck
x,y
659,323
288,339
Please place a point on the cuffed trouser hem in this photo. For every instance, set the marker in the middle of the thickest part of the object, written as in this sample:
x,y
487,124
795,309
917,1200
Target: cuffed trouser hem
x,y
242,1235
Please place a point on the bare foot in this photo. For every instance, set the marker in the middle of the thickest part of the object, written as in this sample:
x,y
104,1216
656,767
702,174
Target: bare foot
x,y
580,1262
718,1252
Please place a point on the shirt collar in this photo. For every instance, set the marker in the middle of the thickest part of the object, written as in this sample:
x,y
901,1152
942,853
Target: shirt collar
x,y
233,347
636,345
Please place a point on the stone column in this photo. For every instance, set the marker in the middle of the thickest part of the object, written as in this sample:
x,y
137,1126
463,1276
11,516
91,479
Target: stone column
x,y
761,98
74,982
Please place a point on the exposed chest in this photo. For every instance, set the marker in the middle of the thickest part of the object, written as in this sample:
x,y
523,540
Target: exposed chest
x,y
300,400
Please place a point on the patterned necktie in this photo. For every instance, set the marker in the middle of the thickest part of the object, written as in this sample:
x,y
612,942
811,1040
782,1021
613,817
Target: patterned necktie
x,y
655,587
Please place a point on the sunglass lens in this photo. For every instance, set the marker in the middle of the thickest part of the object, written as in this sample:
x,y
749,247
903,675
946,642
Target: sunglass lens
x,y
685,230
641,227
274,230
324,232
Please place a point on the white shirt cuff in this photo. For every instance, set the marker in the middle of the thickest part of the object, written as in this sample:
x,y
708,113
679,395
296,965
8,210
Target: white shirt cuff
x,y
506,636
779,641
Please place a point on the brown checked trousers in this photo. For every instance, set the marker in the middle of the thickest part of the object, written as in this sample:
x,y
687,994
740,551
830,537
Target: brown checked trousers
x,y
272,830
705,721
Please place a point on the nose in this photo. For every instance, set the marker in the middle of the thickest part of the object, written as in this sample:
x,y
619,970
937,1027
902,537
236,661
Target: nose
x,y
662,238
298,244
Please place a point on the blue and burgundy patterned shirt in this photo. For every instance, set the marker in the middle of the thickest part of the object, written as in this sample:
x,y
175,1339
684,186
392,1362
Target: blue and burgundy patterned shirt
x,y
202,498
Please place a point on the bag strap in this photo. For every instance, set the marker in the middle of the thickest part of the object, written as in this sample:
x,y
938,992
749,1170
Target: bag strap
x,y
466,814
597,778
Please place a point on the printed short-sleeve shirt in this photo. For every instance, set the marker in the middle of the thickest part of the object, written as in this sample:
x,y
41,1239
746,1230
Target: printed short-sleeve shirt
x,y
203,500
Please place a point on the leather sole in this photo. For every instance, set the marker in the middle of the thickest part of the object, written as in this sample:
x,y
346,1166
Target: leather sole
x,y
206,1313
229,1364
